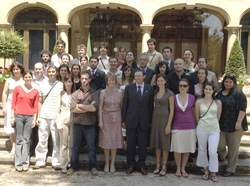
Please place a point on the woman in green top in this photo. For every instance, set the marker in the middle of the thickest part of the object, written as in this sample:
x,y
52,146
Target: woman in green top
x,y
208,111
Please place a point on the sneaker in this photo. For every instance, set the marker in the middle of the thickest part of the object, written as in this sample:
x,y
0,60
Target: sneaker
x,y
70,172
94,172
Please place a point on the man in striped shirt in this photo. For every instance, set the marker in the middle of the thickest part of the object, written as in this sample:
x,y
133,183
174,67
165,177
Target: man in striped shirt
x,y
46,120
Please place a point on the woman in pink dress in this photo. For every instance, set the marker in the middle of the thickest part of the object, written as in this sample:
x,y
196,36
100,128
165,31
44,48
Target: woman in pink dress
x,y
110,137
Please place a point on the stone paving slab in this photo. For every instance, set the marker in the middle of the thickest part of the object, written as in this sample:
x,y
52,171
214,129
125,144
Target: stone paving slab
x,y
48,176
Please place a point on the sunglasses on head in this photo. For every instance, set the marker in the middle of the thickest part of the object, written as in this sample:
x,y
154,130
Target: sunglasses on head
x,y
184,86
229,75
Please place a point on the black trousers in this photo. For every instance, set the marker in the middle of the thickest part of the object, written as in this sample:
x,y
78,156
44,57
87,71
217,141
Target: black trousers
x,y
136,136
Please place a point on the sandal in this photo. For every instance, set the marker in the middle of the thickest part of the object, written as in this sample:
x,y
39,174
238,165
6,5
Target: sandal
x,y
163,170
178,174
64,171
206,175
214,179
185,175
157,170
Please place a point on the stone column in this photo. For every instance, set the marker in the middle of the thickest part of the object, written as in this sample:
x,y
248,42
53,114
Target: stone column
x,y
233,33
146,35
63,32
248,54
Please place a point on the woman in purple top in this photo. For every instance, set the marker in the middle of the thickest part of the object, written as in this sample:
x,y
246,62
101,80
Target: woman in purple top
x,y
183,128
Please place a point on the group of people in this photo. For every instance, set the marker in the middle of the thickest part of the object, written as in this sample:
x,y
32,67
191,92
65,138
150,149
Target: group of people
x,y
159,102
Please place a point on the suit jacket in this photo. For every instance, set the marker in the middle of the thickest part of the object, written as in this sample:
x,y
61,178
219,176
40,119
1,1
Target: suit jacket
x,y
172,66
149,75
97,82
136,112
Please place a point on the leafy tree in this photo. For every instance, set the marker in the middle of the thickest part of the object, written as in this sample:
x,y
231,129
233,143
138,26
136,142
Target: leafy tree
x,y
12,45
236,63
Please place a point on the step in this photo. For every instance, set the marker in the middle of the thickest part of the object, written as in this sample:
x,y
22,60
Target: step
x,y
1,122
245,140
3,134
121,163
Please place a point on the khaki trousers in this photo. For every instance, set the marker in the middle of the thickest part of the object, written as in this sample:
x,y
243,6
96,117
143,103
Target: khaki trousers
x,y
65,145
232,140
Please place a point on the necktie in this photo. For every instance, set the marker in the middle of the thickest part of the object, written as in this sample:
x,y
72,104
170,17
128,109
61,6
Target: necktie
x,y
139,93
93,73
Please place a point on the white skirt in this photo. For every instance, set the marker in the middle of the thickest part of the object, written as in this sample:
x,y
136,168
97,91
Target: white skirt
x,y
183,141
7,126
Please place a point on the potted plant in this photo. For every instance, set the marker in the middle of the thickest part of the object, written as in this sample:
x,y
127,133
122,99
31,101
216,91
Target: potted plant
x,y
236,65
12,45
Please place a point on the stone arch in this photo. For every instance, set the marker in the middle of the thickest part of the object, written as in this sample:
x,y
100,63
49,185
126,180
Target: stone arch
x,y
198,5
15,10
243,14
76,9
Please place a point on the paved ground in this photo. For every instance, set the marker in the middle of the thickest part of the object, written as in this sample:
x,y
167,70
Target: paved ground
x,y
48,176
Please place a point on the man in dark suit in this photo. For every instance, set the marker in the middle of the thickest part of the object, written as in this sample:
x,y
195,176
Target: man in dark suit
x,y
97,82
136,118
167,56
144,59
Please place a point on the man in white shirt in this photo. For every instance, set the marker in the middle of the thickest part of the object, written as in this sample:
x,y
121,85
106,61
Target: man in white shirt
x,y
113,61
56,59
46,121
39,78
103,58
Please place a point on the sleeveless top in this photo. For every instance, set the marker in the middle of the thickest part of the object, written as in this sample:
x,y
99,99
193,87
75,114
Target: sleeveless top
x,y
190,71
12,85
209,122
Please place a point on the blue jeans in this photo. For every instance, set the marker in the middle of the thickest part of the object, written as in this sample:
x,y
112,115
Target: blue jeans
x,y
88,131
23,132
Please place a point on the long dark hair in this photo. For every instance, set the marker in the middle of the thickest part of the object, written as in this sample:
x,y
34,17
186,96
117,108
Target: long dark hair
x,y
160,64
131,75
233,78
79,73
73,88
213,87
63,65
164,77
205,81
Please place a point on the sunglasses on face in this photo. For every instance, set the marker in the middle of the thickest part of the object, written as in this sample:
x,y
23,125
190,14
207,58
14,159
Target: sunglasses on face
x,y
184,86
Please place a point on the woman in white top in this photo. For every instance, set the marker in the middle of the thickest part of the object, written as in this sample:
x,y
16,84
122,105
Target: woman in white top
x,y
17,70
208,111
64,120
127,77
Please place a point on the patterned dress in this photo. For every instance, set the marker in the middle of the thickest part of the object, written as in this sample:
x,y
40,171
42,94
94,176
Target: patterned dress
x,y
111,136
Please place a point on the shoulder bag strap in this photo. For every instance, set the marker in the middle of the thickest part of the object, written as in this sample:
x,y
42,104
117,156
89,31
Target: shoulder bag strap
x,y
207,109
49,91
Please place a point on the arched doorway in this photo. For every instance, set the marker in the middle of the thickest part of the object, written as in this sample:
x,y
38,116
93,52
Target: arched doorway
x,y
113,25
38,26
245,39
198,29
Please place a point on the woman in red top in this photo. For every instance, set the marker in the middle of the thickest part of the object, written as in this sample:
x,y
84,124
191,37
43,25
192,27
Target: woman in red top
x,y
24,110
